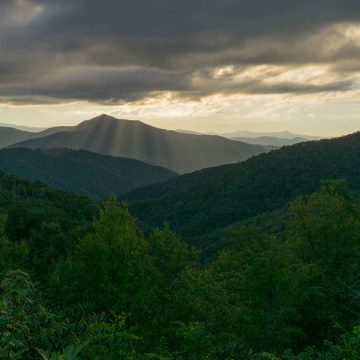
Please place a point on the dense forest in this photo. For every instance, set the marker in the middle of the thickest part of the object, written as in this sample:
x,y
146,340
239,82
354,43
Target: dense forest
x,y
84,172
80,281
206,200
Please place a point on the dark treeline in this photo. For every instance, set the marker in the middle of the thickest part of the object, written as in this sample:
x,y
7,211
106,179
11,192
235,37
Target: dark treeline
x,y
80,282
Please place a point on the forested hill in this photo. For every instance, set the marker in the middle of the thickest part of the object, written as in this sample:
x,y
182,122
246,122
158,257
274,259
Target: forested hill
x,y
201,202
33,210
91,174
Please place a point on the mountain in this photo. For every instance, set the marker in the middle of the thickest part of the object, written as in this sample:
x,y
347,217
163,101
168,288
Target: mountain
x,y
94,175
10,136
276,139
279,134
188,132
270,140
51,131
23,128
199,203
181,153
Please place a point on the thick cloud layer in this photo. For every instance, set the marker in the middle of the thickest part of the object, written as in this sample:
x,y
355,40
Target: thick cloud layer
x,y
112,51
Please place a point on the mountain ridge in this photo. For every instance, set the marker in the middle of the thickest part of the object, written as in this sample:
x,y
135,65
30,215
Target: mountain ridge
x,y
213,198
279,134
182,153
94,175
271,141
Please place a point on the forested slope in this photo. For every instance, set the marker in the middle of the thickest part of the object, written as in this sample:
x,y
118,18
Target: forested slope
x,y
213,198
94,175
110,291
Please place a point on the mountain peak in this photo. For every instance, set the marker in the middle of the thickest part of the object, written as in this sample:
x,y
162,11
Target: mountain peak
x,y
107,116
99,121
104,117
134,139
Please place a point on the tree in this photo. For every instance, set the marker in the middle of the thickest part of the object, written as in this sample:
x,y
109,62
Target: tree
x,y
323,237
12,255
26,326
110,268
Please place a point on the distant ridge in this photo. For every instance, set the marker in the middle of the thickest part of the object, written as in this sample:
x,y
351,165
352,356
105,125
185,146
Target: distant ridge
x,y
23,127
181,153
277,139
270,140
188,132
278,134
9,135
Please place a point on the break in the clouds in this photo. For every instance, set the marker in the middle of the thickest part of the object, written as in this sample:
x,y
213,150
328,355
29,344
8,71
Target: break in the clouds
x,y
120,52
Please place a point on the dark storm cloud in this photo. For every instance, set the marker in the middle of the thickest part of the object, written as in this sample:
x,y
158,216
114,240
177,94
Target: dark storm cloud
x,y
124,50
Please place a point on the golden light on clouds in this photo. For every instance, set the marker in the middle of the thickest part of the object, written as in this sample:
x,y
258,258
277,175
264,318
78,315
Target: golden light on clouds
x,y
24,13
301,73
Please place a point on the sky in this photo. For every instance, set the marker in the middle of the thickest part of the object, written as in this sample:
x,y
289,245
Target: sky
x,y
202,65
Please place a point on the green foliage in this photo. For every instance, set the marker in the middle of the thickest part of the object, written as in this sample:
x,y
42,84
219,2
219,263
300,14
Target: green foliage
x,y
69,353
12,255
261,291
110,268
204,201
88,173
113,291
14,308
324,241
108,338
38,225
25,324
